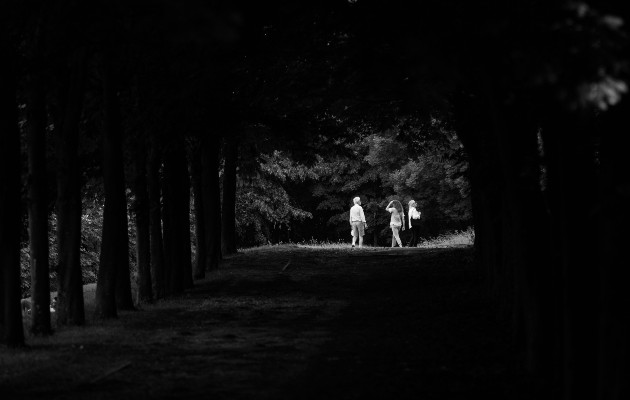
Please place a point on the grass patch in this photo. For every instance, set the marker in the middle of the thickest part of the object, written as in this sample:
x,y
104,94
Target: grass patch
x,y
451,239
308,244
458,238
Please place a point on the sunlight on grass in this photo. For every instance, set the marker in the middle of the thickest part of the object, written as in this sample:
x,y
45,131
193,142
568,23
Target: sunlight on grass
x,y
451,239
310,244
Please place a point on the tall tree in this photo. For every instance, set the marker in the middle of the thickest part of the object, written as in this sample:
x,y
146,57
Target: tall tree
x,y
37,194
176,218
228,205
113,288
11,329
200,228
70,303
614,326
184,218
141,211
155,220
211,187
572,189
472,127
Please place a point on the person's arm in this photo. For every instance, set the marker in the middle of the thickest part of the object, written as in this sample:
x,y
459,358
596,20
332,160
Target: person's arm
x,y
350,216
402,220
363,217
410,212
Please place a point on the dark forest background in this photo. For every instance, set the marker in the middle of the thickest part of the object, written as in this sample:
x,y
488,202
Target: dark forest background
x,y
127,125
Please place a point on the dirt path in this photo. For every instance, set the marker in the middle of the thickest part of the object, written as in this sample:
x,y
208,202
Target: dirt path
x,y
289,323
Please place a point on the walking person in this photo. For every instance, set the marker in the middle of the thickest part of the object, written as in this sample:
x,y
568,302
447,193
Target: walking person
x,y
414,223
357,221
396,221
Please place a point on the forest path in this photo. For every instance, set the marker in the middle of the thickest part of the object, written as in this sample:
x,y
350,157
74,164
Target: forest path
x,y
292,323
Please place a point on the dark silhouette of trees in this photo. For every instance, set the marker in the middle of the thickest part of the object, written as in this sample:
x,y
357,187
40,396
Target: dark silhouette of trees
x,y
527,88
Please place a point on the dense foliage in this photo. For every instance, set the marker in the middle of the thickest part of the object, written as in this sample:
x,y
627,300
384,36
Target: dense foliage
x,y
380,166
283,199
263,204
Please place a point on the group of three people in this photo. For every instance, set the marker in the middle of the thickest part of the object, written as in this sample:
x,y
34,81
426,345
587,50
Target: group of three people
x,y
358,223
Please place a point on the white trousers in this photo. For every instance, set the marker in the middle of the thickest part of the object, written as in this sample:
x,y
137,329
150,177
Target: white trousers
x,y
395,235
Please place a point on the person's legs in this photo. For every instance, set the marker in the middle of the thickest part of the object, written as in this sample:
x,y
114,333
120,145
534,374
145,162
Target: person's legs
x,y
355,233
415,236
396,236
360,232
393,236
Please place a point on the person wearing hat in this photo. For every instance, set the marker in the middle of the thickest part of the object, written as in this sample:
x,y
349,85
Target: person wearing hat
x,y
357,221
414,224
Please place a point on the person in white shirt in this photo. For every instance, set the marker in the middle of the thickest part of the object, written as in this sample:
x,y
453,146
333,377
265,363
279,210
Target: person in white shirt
x,y
414,224
396,221
357,222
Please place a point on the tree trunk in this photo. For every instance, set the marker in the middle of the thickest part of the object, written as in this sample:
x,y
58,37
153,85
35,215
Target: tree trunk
x,y
173,284
512,241
211,185
528,241
614,327
11,329
473,129
155,221
572,187
526,251
113,288
70,306
141,212
38,208
176,219
184,219
200,229
228,220
487,223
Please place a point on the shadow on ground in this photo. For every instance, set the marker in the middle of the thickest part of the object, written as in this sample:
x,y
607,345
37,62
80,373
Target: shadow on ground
x,y
292,323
